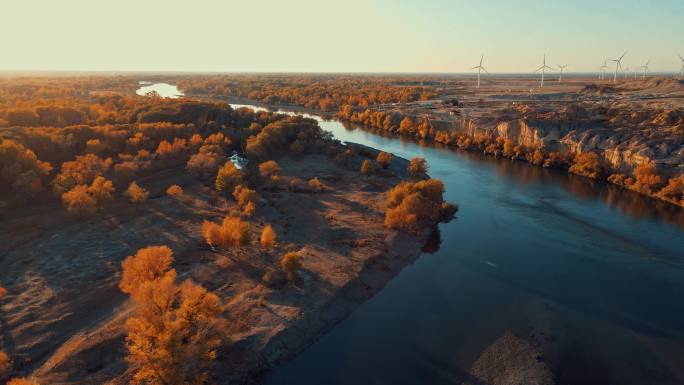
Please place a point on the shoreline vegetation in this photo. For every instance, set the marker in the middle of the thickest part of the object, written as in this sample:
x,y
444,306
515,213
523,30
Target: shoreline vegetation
x,y
134,249
646,178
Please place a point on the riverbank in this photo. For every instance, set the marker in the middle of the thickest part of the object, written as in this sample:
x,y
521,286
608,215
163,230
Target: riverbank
x,y
501,140
72,332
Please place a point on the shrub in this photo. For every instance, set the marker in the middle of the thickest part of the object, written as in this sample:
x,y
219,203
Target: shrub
x,y
268,237
674,191
244,195
647,178
232,232
174,190
366,167
211,233
173,337
587,164
384,159
3,292
101,191
5,364
78,202
291,264
228,177
136,194
417,166
249,209
269,169
315,184
411,206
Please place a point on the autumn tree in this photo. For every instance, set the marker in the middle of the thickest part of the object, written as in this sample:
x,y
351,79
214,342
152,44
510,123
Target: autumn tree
x,y
244,195
315,185
588,164
173,337
174,190
291,264
384,159
82,170
79,202
674,190
268,237
647,178
228,177
5,364
366,167
412,206
101,191
232,232
269,169
418,166
136,194
20,170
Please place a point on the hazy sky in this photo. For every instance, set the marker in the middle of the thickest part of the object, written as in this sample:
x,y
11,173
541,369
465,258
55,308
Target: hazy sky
x,y
337,36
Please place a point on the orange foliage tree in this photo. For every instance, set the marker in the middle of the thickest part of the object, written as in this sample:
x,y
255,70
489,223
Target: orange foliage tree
x,y
136,194
268,237
174,335
411,206
418,166
231,232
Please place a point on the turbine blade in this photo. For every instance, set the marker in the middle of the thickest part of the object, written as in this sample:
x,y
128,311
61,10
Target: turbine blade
x,y
483,69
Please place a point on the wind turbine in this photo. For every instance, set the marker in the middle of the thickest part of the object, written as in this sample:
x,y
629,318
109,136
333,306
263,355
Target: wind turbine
x,y
479,69
682,59
543,69
560,77
603,69
618,65
644,68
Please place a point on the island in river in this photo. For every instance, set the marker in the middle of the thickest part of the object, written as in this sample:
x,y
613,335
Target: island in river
x,y
63,312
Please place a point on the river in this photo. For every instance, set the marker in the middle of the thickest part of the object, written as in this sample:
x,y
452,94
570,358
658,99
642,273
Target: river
x,y
591,274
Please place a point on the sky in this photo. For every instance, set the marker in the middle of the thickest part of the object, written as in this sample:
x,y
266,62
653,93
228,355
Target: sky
x,y
337,36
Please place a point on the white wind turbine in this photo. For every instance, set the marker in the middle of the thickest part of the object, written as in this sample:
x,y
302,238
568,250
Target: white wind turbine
x,y
603,69
644,68
543,69
618,65
479,69
560,77
682,71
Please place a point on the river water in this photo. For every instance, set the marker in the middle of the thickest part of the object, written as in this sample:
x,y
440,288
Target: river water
x,y
590,274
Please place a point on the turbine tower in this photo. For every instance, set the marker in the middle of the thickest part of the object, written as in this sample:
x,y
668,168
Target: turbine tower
x,y
682,70
618,65
543,68
603,69
560,77
644,68
479,69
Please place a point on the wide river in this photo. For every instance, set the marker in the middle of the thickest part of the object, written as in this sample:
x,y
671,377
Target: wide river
x,y
591,274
